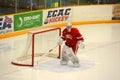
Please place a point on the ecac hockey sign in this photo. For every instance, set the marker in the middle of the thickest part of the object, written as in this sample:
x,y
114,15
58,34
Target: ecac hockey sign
x,y
57,15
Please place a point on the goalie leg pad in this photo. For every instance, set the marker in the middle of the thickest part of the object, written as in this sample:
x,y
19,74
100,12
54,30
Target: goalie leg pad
x,y
72,57
63,62
64,59
75,61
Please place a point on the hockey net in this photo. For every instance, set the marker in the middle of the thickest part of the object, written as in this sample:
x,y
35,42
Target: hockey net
x,y
38,44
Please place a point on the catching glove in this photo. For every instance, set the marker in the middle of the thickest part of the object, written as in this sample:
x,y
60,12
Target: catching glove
x,y
81,45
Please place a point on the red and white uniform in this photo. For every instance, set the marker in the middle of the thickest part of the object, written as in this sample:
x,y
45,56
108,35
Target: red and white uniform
x,y
71,38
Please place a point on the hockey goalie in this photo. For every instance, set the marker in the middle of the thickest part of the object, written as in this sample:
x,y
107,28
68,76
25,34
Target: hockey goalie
x,y
73,40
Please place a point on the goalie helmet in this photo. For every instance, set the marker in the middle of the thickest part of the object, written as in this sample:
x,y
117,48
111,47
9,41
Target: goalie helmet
x,y
68,26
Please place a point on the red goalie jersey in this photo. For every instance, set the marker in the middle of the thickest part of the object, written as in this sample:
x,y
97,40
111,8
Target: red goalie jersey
x,y
71,38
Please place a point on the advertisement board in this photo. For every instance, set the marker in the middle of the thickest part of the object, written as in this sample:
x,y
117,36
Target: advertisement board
x,y
6,24
57,15
28,20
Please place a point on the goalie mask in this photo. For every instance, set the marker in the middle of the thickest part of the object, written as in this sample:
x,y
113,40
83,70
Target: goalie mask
x,y
69,26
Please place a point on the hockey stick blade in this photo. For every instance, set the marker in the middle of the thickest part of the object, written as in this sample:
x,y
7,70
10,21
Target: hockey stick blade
x,y
52,49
